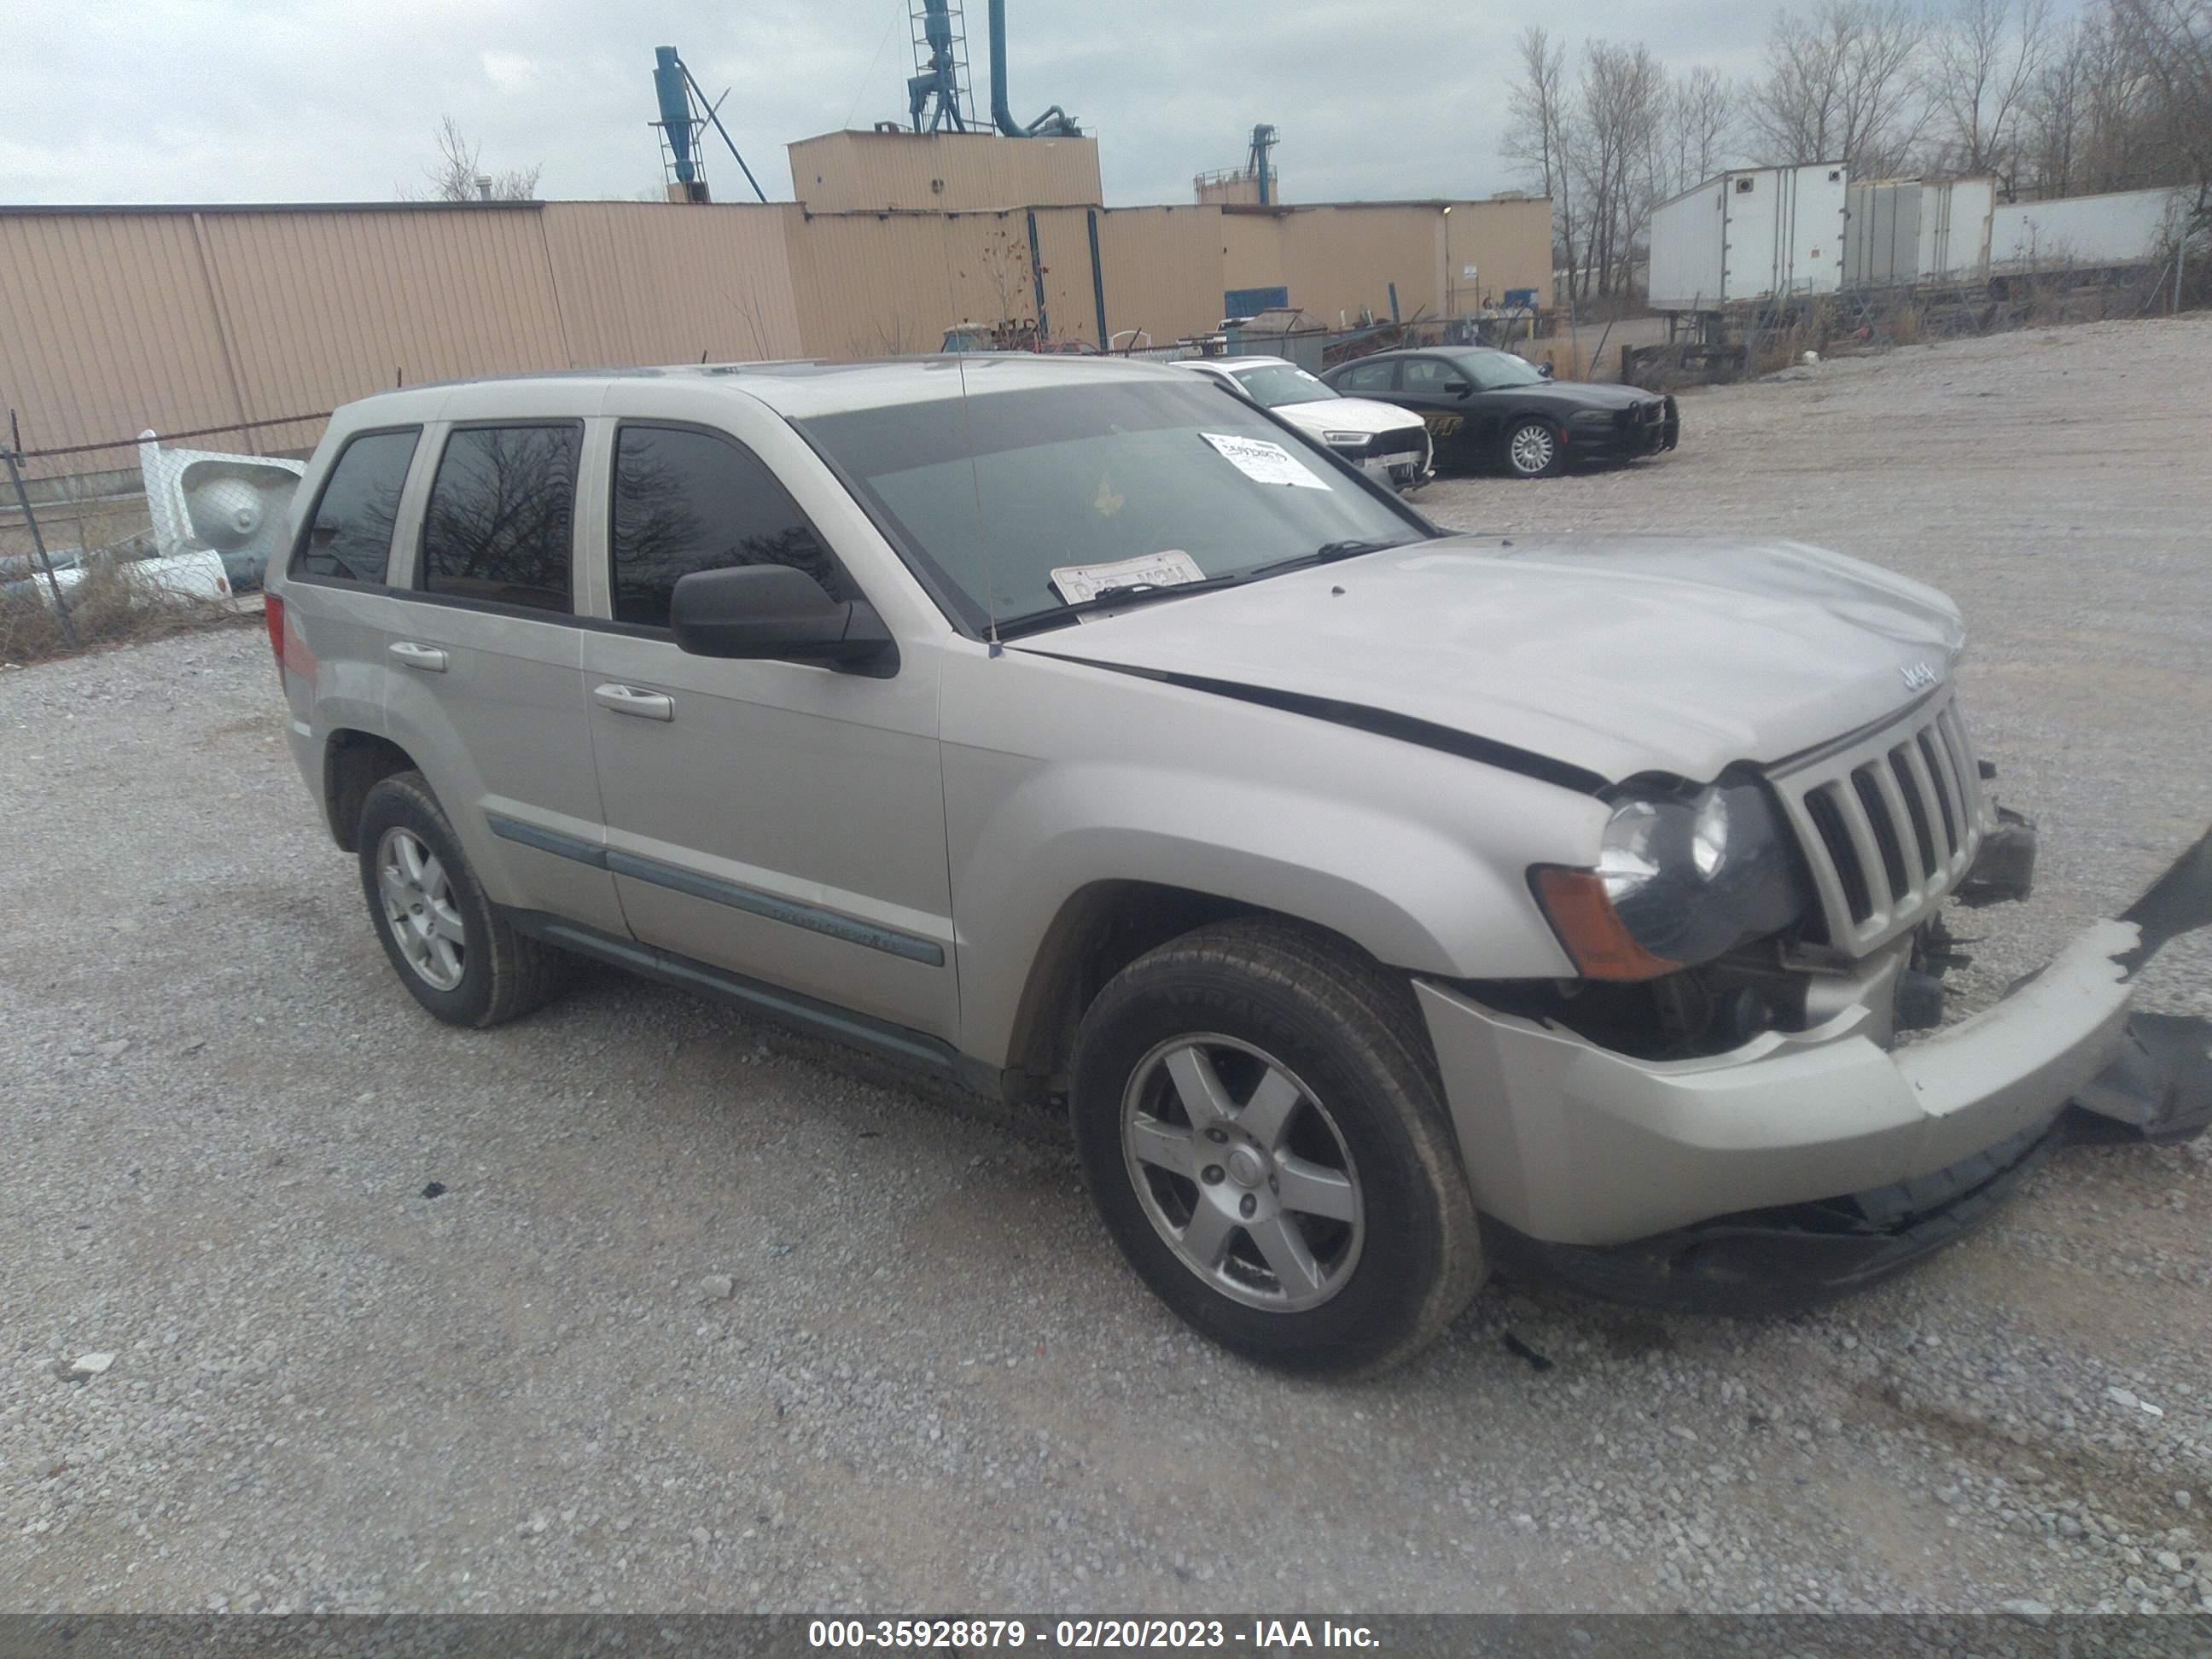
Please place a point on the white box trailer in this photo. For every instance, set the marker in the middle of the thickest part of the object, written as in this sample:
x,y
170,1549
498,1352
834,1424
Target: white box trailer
x,y
1904,232
1756,233
1954,229
1881,236
2123,227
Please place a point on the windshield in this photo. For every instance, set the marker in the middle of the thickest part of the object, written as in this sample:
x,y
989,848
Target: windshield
x,y
990,498
1276,384
1494,371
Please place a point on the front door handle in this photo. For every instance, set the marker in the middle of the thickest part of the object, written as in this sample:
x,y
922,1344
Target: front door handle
x,y
428,658
636,700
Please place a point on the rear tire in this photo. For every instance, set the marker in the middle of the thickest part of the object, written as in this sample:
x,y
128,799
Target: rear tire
x,y
1261,1126
1533,449
451,949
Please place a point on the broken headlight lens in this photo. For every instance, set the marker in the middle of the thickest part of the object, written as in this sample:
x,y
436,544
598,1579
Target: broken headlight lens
x,y
1691,876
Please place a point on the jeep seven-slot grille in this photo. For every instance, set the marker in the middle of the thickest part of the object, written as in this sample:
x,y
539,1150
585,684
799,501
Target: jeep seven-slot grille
x,y
1888,825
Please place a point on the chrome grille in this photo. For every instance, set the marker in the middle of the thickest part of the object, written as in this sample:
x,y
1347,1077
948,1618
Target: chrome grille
x,y
1888,824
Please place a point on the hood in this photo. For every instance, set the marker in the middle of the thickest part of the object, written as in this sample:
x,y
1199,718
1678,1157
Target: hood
x,y
1590,394
1615,655
1347,414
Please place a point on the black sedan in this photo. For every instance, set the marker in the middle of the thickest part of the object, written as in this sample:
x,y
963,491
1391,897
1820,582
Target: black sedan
x,y
1493,409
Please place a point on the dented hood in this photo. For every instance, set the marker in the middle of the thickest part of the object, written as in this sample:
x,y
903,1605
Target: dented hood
x,y
1615,655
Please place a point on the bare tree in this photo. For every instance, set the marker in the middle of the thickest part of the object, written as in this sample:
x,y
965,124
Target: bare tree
x,y
1536,136
1984,61
1700,133
1622,100
1841,84
456,176
2169,43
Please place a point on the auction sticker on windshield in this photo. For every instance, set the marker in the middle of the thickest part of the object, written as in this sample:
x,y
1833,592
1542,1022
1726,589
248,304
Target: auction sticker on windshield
x,y
1265,463
1169,568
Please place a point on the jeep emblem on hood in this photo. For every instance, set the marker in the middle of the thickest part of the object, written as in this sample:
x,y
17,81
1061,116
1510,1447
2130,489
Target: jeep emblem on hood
x,y
1919,676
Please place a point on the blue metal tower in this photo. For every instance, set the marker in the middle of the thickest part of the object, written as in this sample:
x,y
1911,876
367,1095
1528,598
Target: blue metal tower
x,y
938,88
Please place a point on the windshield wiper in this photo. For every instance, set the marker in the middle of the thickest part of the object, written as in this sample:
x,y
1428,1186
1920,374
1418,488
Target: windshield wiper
x,y
1327,553
1139,593
1125,593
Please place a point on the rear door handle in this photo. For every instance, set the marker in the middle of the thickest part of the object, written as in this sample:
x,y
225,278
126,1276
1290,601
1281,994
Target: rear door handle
x,y
636,700
428,658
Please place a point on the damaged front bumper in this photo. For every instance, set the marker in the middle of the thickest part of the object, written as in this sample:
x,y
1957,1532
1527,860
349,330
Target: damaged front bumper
x,y
1804,1163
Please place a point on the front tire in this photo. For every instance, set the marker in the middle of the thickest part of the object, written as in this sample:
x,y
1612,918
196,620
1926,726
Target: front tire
x,y
1533,449
1262,1130
451,949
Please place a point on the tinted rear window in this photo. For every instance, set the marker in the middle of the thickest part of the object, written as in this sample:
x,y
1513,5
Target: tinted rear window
x,y
501,509
350,536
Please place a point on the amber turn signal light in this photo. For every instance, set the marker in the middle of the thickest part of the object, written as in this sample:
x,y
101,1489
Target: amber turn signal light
x,y
1595,938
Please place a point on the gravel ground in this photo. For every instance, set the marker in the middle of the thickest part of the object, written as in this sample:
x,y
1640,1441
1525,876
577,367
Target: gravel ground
x,y
700,1319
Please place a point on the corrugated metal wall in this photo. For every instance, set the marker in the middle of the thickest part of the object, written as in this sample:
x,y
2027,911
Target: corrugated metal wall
x,y
638,282
1340,260
1163,270
319,309
942,171
871,285
97,312
114,322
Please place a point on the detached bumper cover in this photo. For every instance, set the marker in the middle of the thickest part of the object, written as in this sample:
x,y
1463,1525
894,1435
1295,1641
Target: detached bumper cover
x,y
1573,1143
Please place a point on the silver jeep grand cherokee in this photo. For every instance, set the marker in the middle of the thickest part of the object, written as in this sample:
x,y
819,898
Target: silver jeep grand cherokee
x,y
1377,902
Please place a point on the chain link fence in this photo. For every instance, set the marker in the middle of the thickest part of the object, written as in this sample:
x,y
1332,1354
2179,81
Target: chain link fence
x,y
111,542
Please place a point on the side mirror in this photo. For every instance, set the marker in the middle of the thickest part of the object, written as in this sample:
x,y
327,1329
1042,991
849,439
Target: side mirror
x,y
1458,388
777,612
1544,370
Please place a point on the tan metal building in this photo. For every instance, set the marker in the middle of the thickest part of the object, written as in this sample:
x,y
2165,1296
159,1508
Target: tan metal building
x,y
114,321
852,171
1340,260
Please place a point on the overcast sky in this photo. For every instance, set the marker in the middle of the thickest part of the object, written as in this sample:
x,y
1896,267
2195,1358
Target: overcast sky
x,y
247,100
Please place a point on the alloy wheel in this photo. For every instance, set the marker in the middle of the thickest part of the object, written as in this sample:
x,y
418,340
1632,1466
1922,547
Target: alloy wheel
x,y
419,907
1532,447
1243,1172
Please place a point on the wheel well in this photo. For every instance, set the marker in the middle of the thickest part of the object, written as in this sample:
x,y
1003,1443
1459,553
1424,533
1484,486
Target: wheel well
x,y
1100,930
354,763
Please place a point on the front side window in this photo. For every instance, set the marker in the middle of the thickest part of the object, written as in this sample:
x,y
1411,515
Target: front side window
x,y
685,500
1430,375
351,538
499,527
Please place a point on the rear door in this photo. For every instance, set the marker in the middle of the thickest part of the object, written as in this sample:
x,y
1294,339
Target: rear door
x,y
781,821
486,685
334,591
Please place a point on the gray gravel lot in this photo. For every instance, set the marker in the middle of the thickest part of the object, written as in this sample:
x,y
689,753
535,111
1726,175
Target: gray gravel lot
x,y
701,1320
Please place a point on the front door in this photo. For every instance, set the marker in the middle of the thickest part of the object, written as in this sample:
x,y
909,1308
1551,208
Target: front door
x,y
778,820
1441,391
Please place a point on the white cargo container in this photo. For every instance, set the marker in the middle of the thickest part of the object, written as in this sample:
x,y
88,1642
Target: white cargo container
x,y
1881,237
1954,230
2126,227
1756,233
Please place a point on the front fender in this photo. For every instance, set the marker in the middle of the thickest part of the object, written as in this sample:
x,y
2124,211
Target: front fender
x,y
1419,858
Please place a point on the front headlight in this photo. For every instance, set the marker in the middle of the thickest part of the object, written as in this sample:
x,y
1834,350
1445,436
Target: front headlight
x,y
1592,418
1681,877
1346,439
